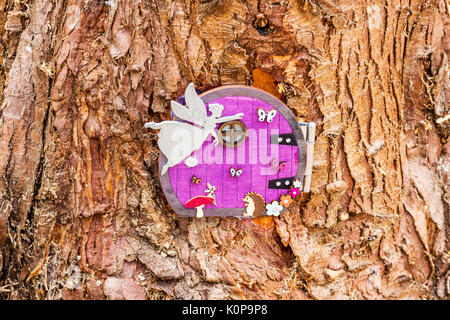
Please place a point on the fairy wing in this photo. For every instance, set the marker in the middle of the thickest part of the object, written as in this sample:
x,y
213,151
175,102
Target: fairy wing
x,y
195,110
184,113
195,103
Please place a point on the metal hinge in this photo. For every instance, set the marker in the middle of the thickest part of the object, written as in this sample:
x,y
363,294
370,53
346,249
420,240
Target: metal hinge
x,y
309,133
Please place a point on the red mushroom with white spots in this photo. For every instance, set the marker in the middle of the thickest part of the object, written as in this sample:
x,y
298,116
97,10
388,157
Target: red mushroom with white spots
x,y
199,202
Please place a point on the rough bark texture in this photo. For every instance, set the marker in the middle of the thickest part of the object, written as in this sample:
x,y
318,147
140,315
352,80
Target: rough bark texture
x,y
82,214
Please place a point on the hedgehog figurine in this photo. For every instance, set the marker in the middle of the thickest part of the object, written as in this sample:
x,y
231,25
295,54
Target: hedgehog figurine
x,y
254,204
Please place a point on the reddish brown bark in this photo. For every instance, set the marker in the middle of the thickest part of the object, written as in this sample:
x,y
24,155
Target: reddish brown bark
x,y
82,214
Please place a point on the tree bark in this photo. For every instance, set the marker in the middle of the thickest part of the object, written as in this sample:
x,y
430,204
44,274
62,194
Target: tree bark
x,y
82,213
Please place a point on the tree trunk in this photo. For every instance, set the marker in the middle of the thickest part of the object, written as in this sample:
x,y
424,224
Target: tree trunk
x,y
82,213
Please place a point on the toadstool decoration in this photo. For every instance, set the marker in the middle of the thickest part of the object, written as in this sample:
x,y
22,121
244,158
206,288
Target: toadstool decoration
x,y
199,202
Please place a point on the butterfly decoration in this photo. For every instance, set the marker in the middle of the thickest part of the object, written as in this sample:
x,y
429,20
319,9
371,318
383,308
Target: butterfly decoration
x,y
276,165
266,116
235,173
196,180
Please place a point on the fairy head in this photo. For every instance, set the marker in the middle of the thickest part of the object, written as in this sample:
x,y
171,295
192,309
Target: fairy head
x,y
216,110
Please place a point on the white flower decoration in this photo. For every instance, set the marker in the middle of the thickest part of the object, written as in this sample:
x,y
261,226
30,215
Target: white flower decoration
x,y
297,184
191,162
274,208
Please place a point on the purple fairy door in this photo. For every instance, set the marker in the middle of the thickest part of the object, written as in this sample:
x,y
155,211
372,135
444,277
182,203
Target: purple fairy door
x,y
254,166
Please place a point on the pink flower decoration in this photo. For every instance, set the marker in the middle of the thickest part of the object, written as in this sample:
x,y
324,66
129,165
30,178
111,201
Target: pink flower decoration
x,y
294,192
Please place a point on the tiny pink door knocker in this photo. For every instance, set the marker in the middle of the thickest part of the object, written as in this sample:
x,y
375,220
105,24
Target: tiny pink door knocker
x,y
233,151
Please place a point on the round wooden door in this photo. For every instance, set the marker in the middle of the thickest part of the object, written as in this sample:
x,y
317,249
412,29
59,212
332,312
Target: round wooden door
x,y
256,162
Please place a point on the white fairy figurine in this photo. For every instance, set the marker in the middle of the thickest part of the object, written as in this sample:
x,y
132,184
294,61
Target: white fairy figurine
x,y
177,140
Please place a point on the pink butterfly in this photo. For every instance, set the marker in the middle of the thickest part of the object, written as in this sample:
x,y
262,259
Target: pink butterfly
x,y
278,166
